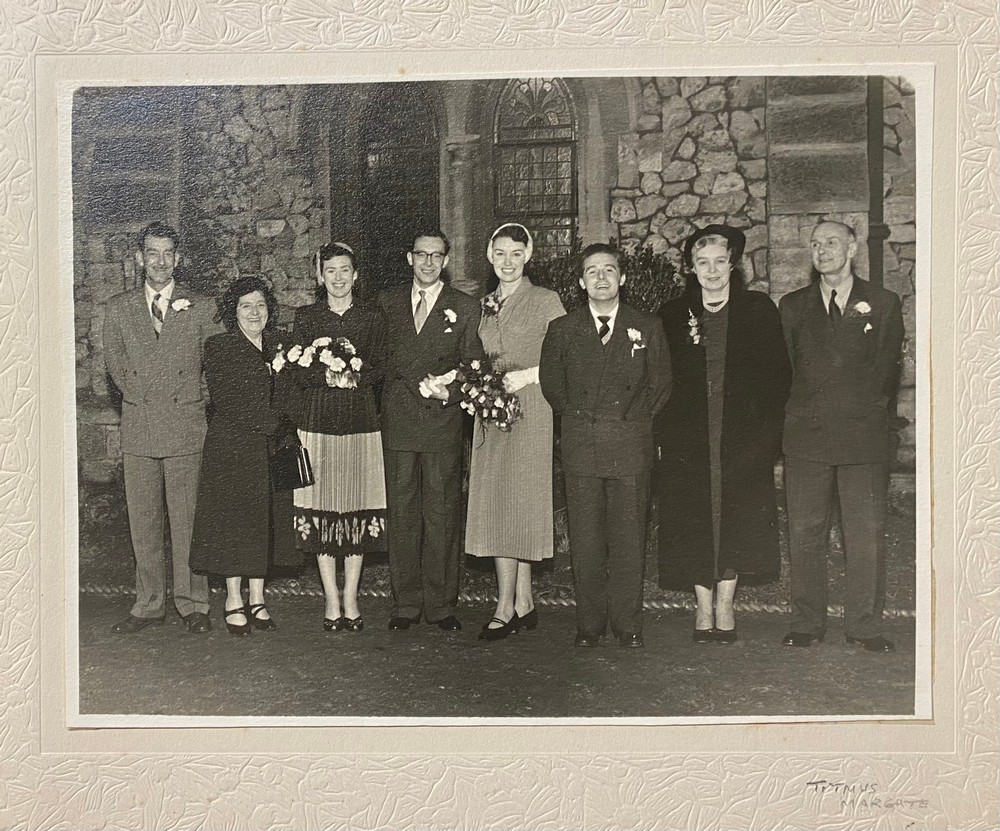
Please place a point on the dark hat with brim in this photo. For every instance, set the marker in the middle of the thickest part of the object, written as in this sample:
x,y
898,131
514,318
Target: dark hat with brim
x,y
735,239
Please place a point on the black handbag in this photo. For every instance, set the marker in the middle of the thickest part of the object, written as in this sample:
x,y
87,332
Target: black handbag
x,y
291,468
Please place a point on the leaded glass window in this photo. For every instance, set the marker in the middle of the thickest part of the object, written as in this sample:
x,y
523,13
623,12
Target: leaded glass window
x,y
535,171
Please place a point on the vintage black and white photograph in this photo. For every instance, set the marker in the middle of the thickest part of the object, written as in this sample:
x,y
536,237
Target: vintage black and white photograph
x,y
542,398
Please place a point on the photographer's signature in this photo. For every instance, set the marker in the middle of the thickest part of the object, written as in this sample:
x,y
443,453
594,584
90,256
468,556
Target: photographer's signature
x,y
865,797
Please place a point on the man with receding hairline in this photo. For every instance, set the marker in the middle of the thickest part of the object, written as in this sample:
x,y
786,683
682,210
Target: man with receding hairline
x,y
844,337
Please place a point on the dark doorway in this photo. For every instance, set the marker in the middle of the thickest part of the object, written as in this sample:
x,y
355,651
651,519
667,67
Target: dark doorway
x,y
391,187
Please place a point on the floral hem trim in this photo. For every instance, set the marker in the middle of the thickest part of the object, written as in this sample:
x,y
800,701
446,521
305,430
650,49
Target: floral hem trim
x,y
331,533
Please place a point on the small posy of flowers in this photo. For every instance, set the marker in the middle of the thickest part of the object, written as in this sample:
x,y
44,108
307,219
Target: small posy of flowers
x,y
338,355
694,328
180,304
484,395
491,305
450,317
635,336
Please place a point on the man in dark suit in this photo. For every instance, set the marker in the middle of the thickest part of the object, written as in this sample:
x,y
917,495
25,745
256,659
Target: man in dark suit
x,y
153,340
605,369
843,336
430,328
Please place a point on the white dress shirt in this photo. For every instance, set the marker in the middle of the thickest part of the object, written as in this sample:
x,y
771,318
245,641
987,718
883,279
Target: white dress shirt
x,y
611,316
430,296
843,293
165,294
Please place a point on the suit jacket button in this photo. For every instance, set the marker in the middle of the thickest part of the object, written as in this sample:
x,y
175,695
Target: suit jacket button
x,y
175,399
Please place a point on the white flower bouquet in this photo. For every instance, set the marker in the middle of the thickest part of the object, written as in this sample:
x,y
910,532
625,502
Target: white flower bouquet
x,y
338,355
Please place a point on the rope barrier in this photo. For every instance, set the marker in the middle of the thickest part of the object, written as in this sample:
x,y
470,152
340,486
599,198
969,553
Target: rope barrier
x,y
292,588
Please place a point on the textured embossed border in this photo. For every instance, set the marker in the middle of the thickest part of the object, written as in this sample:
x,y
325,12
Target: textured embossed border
x,y
621,777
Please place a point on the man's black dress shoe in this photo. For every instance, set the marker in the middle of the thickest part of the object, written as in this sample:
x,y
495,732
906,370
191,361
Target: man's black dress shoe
x,y
800,639
631,641
586,639
876,644
449,624
133,624
399,622
197,622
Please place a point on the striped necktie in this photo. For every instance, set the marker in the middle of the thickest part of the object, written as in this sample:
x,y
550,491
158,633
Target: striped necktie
x,y
604,332
157,313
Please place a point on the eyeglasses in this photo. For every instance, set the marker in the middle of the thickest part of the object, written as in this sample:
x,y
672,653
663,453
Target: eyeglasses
x,y
435,257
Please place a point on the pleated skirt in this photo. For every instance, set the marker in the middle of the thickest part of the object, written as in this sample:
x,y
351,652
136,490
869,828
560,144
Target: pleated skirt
x,y
343,513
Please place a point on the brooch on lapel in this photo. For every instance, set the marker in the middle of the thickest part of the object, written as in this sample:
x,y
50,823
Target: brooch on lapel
x,y
450,317
635,336
694,328
180,304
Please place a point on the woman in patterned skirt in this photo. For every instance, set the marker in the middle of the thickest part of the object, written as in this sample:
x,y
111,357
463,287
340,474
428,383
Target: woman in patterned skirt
x,y
510,482
343,514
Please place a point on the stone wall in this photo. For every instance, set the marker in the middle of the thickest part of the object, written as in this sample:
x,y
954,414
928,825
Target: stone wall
x,y
899,253
248,203
698,156
251,204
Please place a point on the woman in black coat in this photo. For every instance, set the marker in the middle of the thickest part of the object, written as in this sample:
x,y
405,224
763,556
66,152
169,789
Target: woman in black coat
x,y
720,434
241,524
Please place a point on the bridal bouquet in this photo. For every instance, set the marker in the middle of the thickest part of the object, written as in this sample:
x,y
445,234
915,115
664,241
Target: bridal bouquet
x,y
338,355
484,395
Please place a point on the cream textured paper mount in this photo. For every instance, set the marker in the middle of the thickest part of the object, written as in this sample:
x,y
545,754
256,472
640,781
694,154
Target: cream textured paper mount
x,y
685,777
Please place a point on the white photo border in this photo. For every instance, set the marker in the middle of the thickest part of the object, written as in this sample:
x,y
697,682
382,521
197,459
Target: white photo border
x,y
941,773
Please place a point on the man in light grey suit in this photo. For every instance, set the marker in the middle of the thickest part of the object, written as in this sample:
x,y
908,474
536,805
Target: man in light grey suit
x,y
153,339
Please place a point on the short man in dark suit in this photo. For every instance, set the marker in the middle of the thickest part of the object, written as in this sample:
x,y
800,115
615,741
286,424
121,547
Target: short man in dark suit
x,y
843,336
605,369
153,342
431,328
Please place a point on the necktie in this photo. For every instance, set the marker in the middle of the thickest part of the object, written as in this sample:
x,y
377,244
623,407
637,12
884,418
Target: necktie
x,y
420,315
835,313
604,332
157,313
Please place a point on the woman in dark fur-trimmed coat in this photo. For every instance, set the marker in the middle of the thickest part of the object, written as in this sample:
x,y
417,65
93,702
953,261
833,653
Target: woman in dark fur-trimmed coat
x,y
720,434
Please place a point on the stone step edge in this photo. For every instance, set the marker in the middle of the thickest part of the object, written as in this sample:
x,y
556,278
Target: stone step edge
x,y
563,599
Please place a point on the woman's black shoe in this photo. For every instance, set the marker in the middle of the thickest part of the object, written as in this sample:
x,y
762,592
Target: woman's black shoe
x,y
334,625
529,621
353,624
499,632
265,624
238,630
703,635
726,635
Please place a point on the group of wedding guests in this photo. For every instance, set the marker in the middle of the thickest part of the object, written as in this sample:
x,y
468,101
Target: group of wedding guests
x,y
697,403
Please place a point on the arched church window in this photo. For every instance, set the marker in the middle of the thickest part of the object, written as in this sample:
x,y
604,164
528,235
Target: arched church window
x,y
535,171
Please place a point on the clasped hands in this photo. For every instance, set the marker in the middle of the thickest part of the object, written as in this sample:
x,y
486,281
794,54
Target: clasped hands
x,y
436,386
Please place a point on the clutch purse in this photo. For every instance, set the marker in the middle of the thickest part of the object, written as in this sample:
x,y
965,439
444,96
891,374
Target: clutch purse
x,y
291,468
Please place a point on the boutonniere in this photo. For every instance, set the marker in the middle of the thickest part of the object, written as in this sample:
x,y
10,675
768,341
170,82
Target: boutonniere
x,y
862,308
180,304
694,328
450,317
635,336
491,305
